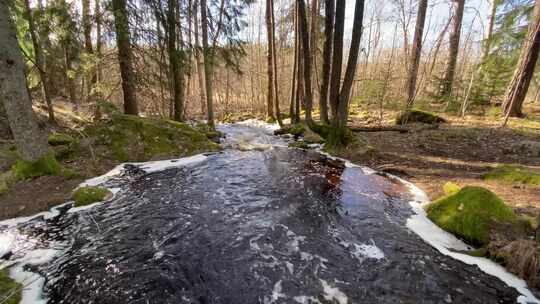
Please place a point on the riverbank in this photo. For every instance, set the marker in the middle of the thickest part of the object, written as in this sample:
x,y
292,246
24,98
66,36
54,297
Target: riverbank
x,y
87,149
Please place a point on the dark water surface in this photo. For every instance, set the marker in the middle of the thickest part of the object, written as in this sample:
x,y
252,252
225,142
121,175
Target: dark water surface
x,y
273,226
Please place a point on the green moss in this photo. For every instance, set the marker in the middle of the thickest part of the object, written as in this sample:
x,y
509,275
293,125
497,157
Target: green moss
x,y
88,195
416,115
59,139
7,179
511,174
47,165
451,188
321,129
10,290
133,138
470,214
297,129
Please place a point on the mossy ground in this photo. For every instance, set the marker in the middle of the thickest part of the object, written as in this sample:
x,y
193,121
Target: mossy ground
x,y
470,214
10,291
132,138
59,139
516,175
450,188
88,195
416,115
47,165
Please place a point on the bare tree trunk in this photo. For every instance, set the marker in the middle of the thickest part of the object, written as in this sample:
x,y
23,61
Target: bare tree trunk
x,y
99,57
337,58
327,57
31,143
274,64
198,59
125,56
416,52
177,79
517,90
208,57
39,61
304,34
489,34
295,78
270,65
455,35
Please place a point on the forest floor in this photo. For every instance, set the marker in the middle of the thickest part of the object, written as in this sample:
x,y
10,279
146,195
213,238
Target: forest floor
x,y
461,151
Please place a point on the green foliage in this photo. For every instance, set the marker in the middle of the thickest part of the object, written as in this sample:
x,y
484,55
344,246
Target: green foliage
x,y
47,165
470,214
415,115
10,290
450,188
87,195
59,139
512,174
133,138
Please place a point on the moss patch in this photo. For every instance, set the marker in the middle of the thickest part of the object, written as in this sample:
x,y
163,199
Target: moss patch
x,y
451,188
59,139
415,115
470,214
132,138
47,165
87,195
510,174
299,144
10,290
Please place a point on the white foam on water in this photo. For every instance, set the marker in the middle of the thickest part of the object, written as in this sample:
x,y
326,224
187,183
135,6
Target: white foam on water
x,y
447,243
333,293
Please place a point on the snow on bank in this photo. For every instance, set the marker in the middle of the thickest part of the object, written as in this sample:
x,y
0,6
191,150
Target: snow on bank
x,y
447,243
26,249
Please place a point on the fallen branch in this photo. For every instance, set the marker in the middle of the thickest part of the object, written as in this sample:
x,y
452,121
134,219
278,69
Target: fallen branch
x,y
379,129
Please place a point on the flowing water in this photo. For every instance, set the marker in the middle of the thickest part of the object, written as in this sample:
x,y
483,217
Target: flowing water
x,y
257,223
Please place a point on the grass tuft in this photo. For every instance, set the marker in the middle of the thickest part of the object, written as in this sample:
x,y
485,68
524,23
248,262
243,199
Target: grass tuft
x,y
47,165
87,195
512,174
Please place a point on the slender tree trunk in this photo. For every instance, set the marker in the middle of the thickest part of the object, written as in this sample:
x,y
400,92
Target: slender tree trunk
x,y
304,34
208,62
31,143
177,83
125,56
344,95
275,64
448,81
416,52
270,64
294,83
489,34
198,60
327,57
87,33
517,90
99,57
40,61
314,29
337,57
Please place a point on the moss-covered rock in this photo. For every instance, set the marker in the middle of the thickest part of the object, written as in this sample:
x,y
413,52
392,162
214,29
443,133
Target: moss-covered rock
x,y
47,165
88,195
132,138
60,139
471,213
450,188
212,134
296,130
10,290
511,174
418,116
312,137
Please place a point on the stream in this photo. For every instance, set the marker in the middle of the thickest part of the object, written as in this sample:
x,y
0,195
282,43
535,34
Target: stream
x,y
256,223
